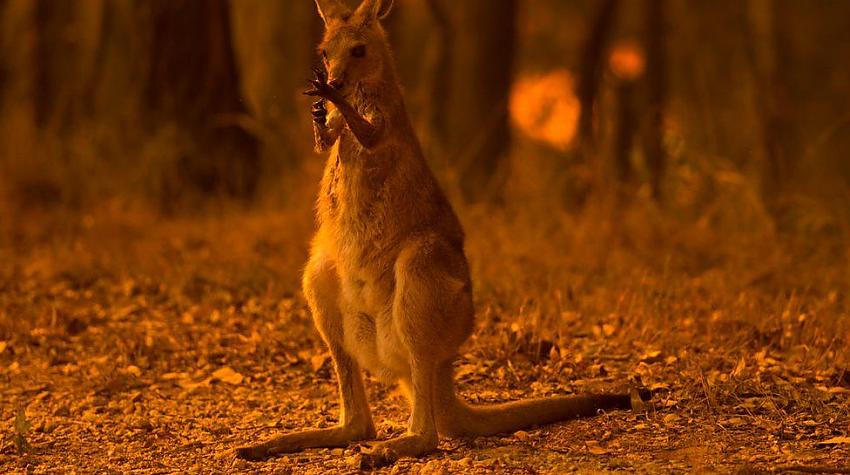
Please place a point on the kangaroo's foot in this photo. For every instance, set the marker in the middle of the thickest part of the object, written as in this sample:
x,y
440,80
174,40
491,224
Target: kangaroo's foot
x,y
340,436
385,453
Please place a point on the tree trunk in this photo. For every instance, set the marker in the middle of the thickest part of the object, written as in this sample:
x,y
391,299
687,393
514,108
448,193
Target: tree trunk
x,y
592,62
656,61
4,68
483,64
441,85
275,44
53,52
119,71
626,124
193,83
767,30
63,55
779,110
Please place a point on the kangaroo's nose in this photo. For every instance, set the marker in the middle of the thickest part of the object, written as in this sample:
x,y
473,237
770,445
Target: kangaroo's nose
x,y
336,83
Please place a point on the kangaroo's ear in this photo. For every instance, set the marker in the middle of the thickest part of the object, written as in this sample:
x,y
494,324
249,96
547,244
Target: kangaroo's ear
x,y
374,10
332,10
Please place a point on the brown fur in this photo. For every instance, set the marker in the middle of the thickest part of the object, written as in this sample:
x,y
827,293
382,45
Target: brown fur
x,y
387,281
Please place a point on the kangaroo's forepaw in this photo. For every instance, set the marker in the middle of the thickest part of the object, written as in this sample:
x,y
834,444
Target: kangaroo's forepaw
x,y
319,87
319,113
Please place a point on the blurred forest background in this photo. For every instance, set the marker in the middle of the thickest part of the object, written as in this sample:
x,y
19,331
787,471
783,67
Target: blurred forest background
x,y
578,139
607,135
716,110
657,188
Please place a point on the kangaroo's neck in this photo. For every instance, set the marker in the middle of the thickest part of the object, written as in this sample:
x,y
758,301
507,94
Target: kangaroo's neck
x,y
383,91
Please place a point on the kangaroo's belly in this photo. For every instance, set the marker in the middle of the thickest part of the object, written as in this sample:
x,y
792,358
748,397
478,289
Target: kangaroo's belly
x,y
369,334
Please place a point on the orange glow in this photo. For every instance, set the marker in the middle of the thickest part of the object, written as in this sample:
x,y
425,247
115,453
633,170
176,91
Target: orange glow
x,y
545,107
627,61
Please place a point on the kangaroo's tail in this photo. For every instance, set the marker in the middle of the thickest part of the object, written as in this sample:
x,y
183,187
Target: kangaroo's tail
x,y
457,418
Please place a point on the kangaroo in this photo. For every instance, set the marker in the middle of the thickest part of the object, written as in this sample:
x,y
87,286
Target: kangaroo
x,y
387,280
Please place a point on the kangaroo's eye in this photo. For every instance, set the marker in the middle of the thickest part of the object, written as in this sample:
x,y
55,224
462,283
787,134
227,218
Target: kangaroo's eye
x,y
358,51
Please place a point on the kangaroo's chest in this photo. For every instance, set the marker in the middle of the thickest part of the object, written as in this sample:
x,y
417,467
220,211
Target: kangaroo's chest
x,y
358,212
355,180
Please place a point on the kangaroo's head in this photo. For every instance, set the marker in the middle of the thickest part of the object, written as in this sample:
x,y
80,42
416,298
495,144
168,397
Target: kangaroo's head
x,y
354,48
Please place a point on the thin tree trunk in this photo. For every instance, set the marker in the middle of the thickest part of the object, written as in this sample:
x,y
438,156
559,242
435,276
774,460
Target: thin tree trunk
x,y
106,29
780,110
766,31
4,67
51,19
442,72
193,82
119,72
656,52
275,47
592,61
626,124
484,61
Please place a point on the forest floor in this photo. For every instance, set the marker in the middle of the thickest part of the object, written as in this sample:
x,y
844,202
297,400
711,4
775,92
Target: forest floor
x,y
148,346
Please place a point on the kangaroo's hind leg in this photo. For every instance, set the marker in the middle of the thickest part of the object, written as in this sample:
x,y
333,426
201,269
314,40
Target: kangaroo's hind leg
x,y
321,287
432,316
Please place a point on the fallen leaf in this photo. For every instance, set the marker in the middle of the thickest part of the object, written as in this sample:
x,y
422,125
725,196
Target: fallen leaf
x,y
465,370
133,370
832,390
670,418
173,376
192,386
226,374
317,361
651,356
834,441
594,447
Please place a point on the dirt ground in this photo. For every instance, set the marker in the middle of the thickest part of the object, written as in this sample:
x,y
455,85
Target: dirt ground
x,y
158,346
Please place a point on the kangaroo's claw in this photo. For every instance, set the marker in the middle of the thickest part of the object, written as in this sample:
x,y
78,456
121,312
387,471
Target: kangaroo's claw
x,y
322,90
320,117
320,74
